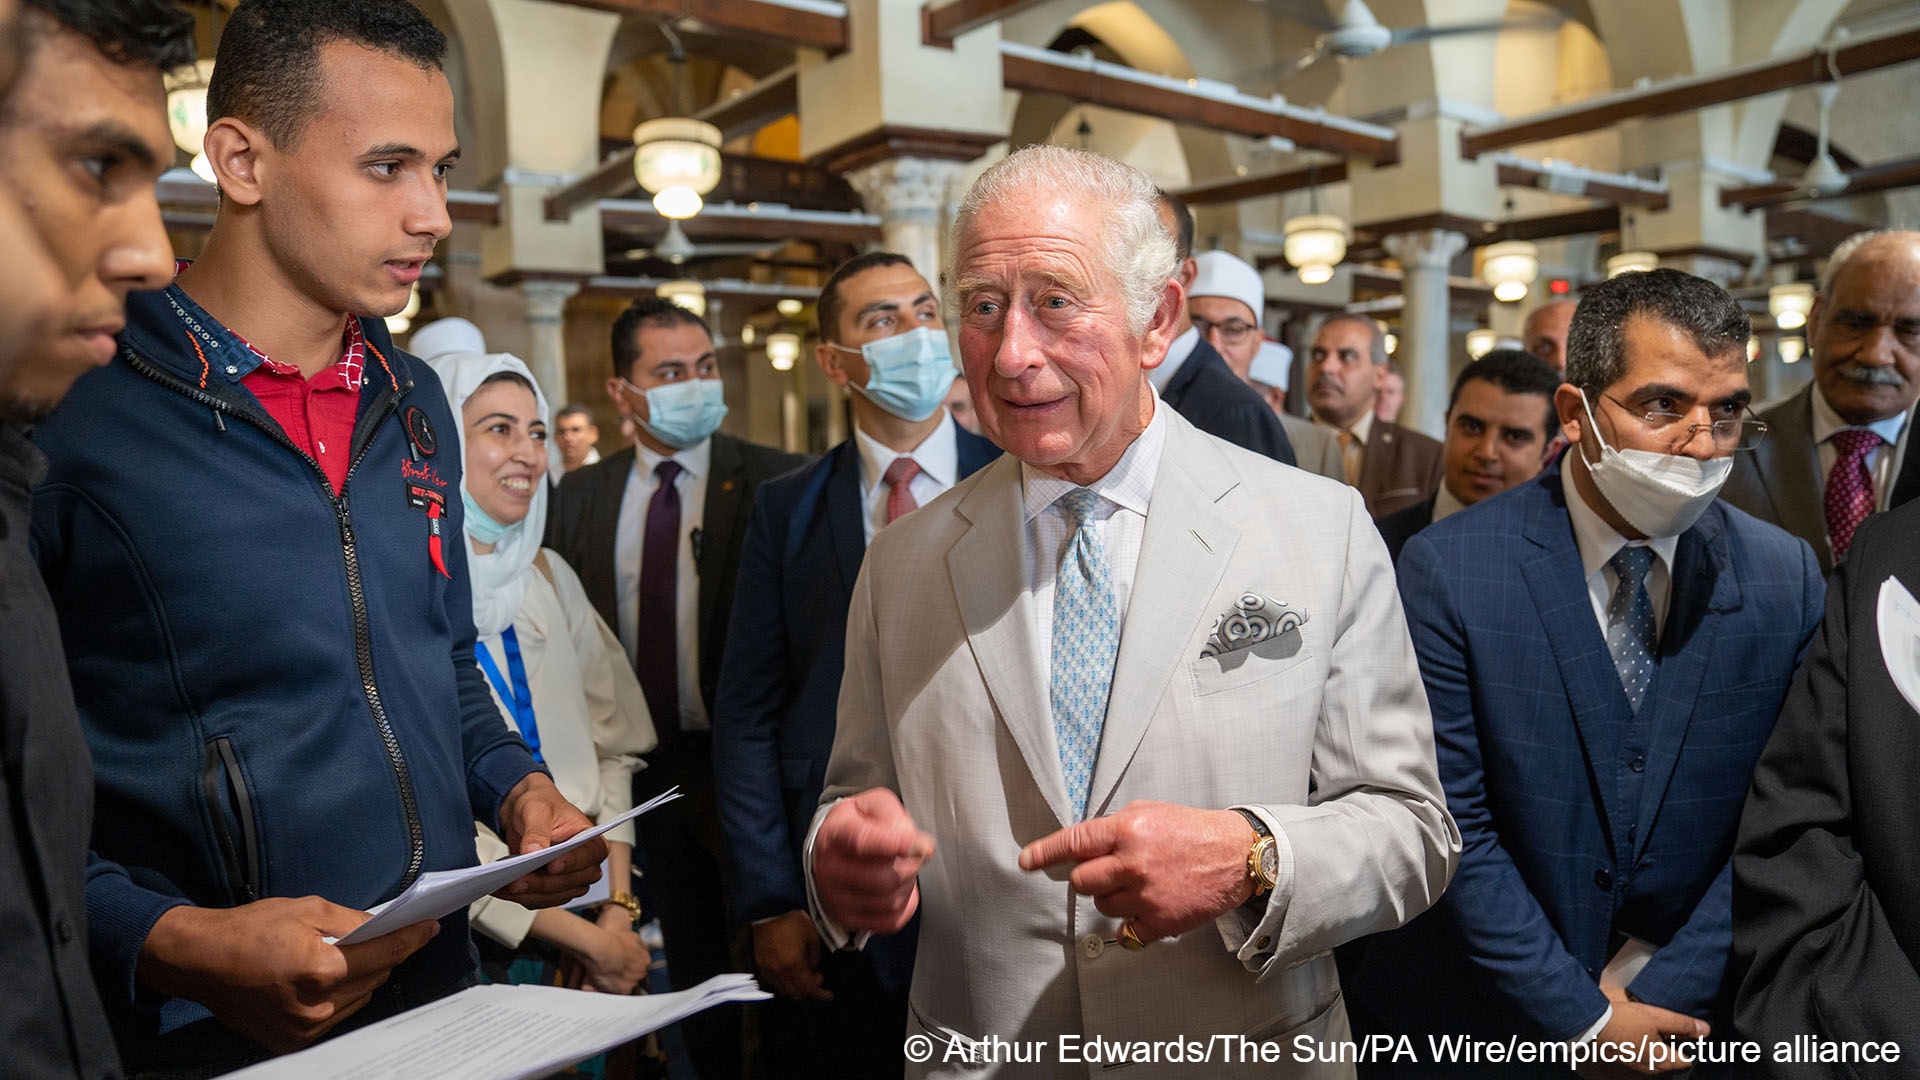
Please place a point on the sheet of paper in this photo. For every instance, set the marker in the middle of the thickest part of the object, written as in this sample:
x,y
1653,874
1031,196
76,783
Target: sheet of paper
x,y
599,892
439,892
498,1033
1899,619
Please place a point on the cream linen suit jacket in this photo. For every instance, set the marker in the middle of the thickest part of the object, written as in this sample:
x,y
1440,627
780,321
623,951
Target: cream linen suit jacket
x,y
1324,731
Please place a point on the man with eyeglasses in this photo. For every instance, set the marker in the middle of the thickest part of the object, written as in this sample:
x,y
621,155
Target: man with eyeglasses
x,y
1605,648
1199,379
1841,448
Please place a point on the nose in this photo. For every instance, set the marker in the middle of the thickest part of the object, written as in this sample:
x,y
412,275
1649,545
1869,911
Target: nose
x,y
1017,349
138,255
1878,347
1487,448
428,215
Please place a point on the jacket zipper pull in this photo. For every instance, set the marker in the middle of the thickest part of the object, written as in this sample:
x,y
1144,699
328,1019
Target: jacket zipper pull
x,y
218,421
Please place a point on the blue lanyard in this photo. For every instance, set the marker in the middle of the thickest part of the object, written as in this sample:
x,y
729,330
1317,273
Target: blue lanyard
x,y
519,695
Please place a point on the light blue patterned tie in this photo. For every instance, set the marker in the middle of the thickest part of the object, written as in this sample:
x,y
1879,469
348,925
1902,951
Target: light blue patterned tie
x,y
1630,634
1086,636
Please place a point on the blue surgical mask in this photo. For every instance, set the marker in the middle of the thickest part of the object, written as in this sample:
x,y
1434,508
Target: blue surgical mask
x,y
682,413
908,374
478,523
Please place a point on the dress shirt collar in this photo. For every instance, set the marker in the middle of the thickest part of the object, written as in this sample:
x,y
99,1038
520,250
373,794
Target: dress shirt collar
x,y
1177,354
938,455
1362,428
1826,422
1444,503
1598,540
1129,484
697,459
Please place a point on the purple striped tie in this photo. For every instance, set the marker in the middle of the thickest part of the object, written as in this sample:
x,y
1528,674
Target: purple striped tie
x,y
656,640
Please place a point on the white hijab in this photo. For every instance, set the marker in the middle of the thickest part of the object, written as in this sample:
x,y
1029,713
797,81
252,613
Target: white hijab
x,y
499,577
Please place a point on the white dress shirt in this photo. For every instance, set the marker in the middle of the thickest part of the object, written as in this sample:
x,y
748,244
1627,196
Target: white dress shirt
x,y
1444,503
1121,521
938,456
696,464
1883,462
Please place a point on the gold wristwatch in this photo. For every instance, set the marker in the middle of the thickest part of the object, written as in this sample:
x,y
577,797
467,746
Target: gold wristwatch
x,y
1263,858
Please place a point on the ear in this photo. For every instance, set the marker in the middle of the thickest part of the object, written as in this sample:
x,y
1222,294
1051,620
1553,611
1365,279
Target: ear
x,y
234,150
828,358
1812,329
1162,328
1567,401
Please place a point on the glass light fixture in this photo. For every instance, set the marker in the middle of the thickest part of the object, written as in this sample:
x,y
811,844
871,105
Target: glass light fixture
x,y
783,350
400,321
1315,244
1792,349
747,333
1789,305
789,307
678,159
1510,267
203,168
1480,342
1632,262
1753,347
1393,344
685,292
187,105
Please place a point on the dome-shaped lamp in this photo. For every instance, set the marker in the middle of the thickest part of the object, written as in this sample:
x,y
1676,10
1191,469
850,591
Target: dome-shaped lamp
x,y
678,159
1315,244
685,292
1792,349
187,105
401,321
1789,304
783,350
1510,267
1632,262
1480,342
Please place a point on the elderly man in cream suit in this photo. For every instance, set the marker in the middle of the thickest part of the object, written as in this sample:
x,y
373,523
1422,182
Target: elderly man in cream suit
x,y
1131,715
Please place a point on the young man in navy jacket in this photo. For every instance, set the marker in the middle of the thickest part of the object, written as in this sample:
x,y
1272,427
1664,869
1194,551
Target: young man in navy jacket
x,y
249,529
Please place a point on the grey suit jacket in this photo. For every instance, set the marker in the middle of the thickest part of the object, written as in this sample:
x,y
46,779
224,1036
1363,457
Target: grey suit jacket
x,y
1780,481
1325,729
1315,448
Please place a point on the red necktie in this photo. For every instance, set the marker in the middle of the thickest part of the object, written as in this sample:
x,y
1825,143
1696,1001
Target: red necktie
x,y
899,480
1849,487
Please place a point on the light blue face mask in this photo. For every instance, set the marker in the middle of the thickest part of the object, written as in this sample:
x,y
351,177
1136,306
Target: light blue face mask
x,y
683,413
478,523
908,374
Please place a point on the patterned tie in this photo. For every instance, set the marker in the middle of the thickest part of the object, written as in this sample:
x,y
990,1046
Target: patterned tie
x,y
1350,451
1630,636
1850,495
657,646
899,481
1086,637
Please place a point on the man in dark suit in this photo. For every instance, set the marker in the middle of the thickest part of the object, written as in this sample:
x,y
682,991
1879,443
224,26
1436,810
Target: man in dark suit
x,y
1199,378
1605,649
1394,467
1842,448
881,337
1826,919
1501,431
655,532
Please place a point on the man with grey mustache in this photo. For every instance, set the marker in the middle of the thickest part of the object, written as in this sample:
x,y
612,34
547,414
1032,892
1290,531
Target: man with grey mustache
x,y
1841,448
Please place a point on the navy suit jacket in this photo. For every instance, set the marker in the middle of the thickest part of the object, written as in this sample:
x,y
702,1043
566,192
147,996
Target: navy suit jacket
x,y
1215,400
774,719
1578,821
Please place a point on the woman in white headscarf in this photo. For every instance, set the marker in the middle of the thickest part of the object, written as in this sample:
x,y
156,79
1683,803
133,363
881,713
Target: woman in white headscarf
x,y
559,675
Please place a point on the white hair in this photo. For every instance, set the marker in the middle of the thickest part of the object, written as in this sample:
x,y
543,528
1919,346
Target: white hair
x,y
1850,247
1133,243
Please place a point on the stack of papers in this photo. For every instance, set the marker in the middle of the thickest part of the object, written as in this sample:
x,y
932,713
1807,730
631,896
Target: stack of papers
x,y
442,892
1899,618
499,1033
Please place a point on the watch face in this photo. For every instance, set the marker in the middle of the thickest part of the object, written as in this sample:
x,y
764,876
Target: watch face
x,y
1269,863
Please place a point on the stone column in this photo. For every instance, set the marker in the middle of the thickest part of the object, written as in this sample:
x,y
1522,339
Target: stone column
x,y
910,194
546,335
1425,255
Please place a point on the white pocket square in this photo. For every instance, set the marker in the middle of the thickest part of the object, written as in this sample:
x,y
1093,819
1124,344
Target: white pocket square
x,y
1254,619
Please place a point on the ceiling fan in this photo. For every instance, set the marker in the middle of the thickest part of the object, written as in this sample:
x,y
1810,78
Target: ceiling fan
x,y
1355,34
1824,177
675,248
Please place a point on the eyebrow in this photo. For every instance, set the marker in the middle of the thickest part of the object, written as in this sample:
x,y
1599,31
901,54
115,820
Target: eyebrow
x,y
508,417
110,135
888,305
403,150
1738,397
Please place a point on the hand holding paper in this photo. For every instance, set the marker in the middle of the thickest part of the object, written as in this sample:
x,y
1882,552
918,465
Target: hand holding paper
x,y
535,816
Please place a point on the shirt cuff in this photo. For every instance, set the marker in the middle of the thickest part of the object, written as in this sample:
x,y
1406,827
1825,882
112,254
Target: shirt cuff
x,y
1593,1032
832,934
1250,932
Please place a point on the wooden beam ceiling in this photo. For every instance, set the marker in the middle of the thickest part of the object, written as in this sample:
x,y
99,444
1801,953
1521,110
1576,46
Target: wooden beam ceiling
x,y
758,19
1800,68
1234,189
1866,180
940,25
